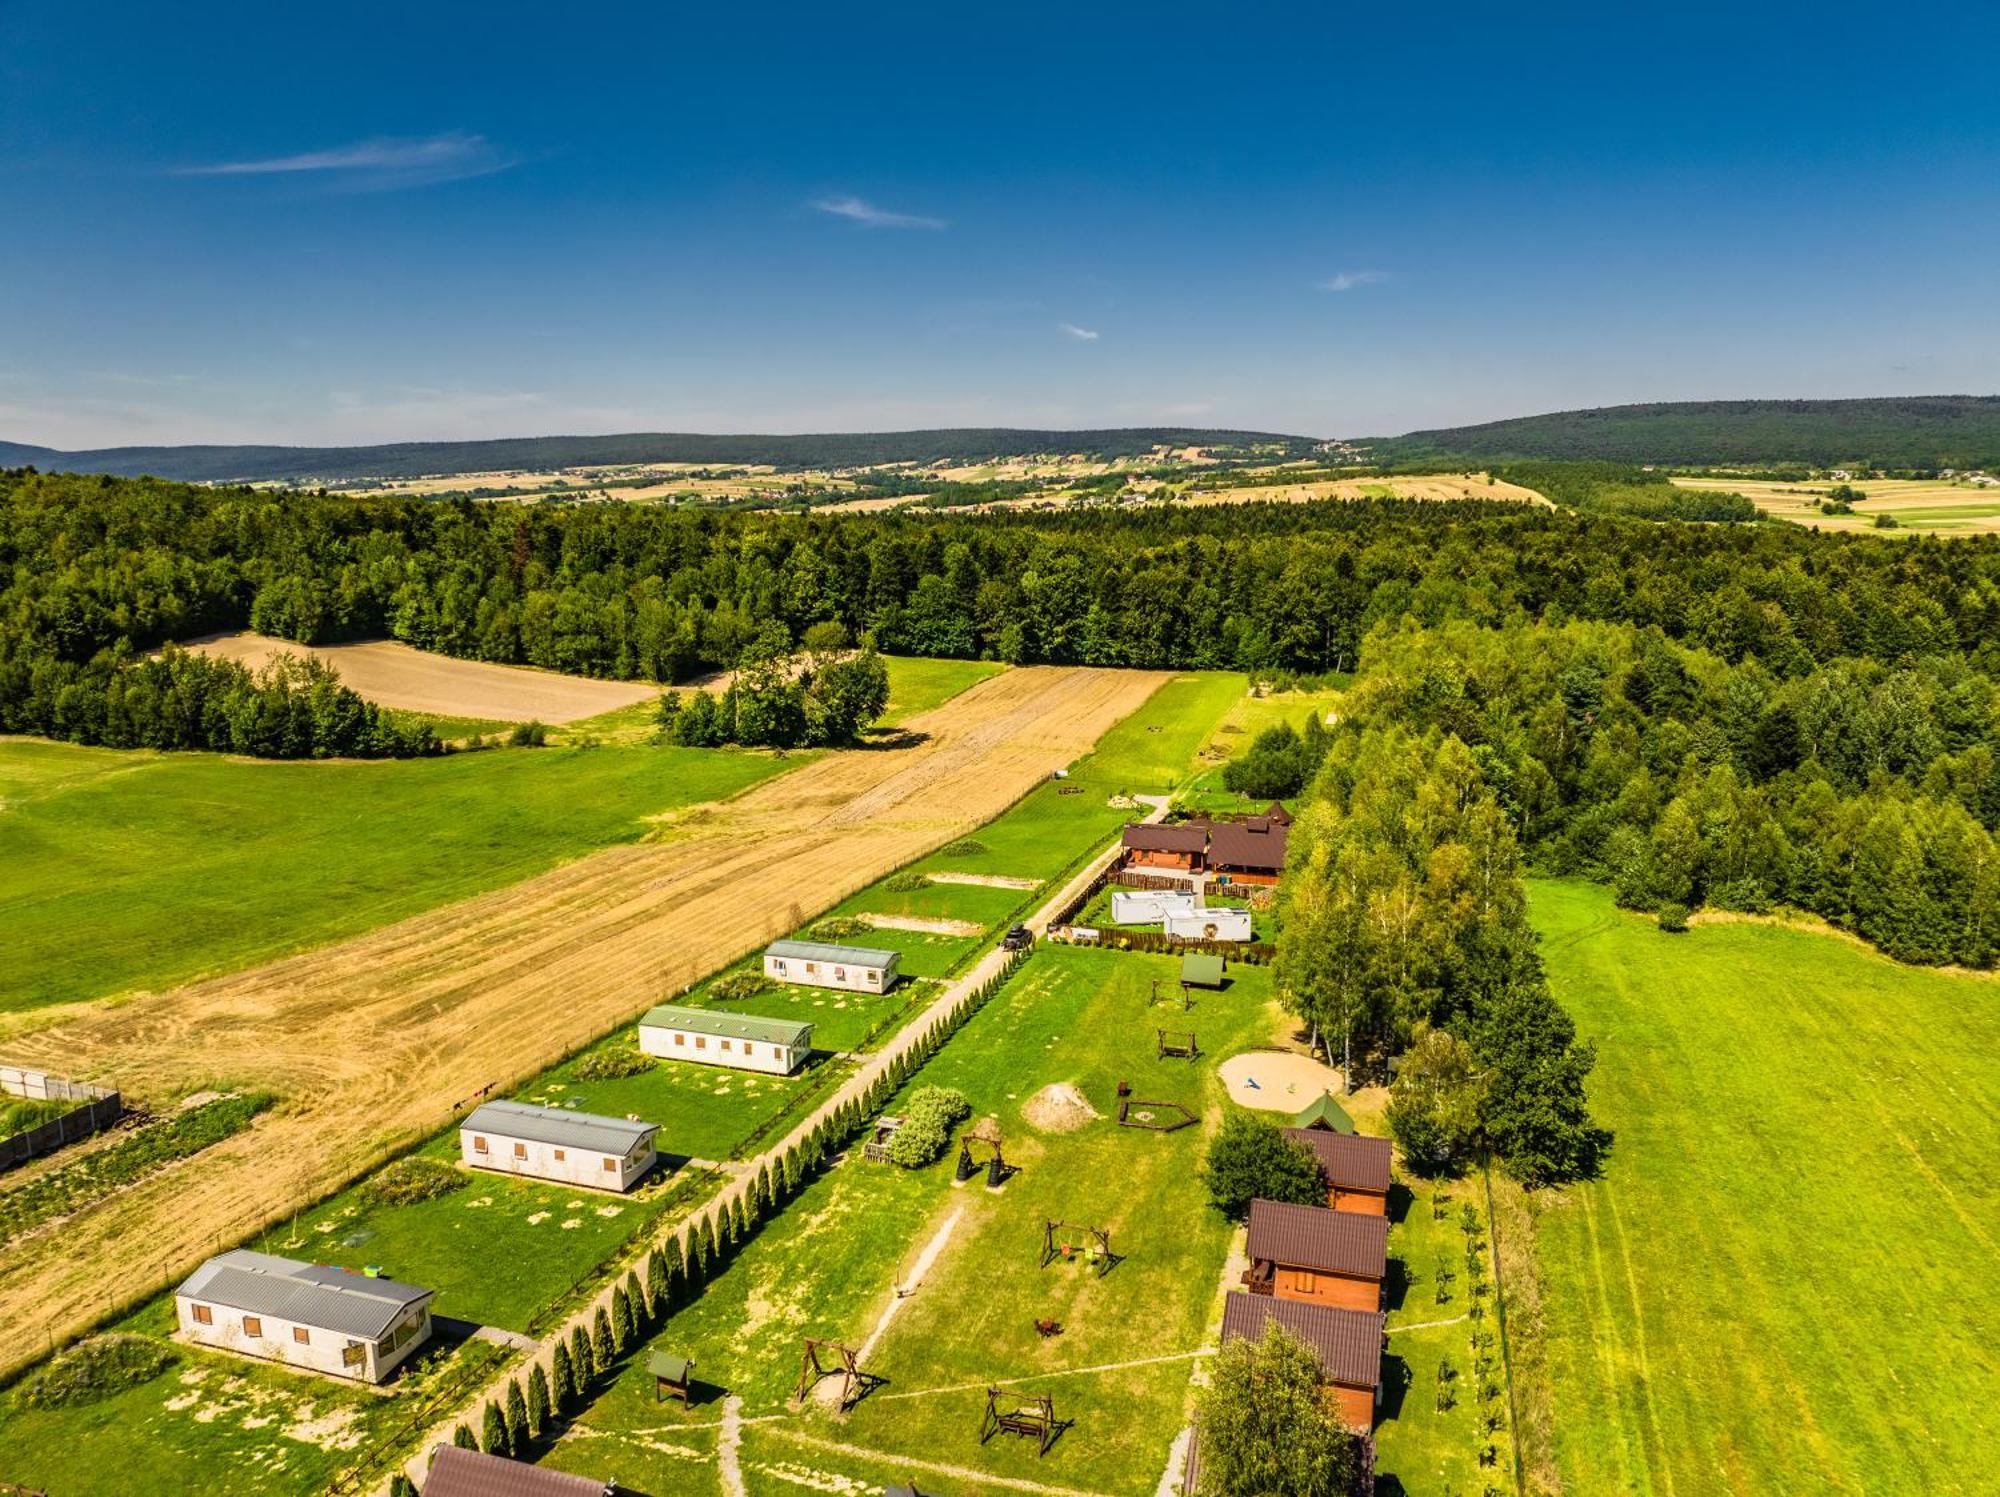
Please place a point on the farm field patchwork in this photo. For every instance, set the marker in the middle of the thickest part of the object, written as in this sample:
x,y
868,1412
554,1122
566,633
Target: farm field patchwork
x,y
1784,1279
829,1264
185,864
1940,506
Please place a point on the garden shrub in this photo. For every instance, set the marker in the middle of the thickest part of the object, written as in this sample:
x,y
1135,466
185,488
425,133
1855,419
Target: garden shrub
x,y
747,983
928,1119
840,928
1673,917
965,847
409,1181
610,1065
96,1369
905,882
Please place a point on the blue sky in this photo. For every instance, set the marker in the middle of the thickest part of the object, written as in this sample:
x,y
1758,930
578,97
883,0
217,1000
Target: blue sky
x,y
374,222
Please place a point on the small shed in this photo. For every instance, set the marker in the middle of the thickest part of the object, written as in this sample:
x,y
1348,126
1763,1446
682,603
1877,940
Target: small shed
x,y
672,1376
1201,969
821,964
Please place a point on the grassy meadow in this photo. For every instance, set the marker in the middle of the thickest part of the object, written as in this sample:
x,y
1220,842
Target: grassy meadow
x,y
1784,1281
123,869
917,685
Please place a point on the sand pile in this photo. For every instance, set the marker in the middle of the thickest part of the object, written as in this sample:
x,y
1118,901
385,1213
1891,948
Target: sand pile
x,y
1059,1108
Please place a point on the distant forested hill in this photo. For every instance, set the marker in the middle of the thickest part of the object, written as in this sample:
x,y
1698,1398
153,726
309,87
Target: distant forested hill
x,y
1916,431
829,450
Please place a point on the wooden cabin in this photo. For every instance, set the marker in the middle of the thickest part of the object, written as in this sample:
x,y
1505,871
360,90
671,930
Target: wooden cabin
x,y
470,1473
1317,1256
1247,852
1180,848
1355,1169
1348,1344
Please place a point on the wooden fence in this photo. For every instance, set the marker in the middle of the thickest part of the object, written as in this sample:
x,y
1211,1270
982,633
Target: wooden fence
x,y
96,1110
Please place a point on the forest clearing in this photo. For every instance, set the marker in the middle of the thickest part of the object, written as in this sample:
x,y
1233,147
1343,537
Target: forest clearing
x,y
419,1016
1928,506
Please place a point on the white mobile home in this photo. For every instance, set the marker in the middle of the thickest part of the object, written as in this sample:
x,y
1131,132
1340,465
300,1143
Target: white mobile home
x,y
1211,924
548,1143
775,1046
329,1319
816,964
1147,906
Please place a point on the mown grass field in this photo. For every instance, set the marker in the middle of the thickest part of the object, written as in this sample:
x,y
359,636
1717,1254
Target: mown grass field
x,y
1784,1281
830,1263
130,869
917,685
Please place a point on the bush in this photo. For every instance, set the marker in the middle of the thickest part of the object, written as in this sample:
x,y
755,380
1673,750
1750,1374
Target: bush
x,y
1745,894
529,735
609,1065
928,1118
747,983
965,847
1251,1160
1673,917
840,928
408,1181
96,1369
1886,522
904,883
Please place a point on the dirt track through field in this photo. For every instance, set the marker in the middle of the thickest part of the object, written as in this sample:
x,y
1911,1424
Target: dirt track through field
x,y
379,1039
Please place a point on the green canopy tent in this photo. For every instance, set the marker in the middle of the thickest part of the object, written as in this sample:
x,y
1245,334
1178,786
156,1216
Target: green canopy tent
x,y
1324,1113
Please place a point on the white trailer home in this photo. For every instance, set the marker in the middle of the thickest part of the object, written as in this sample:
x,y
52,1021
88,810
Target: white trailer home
x,y
548,1143
816,964
777,1047
331,1320
1209,924
1148,906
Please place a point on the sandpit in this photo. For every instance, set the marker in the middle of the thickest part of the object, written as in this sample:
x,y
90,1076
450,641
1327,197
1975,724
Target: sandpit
x,y
1059,1108
1276,1080
395,675
935,925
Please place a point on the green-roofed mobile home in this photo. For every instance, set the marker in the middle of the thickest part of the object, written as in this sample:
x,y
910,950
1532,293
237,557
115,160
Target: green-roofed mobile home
x,y
777,1047
820,964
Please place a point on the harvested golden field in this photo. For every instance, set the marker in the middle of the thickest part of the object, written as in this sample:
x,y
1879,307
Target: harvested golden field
x,y
1433,486
395,675
1926,506
376,1041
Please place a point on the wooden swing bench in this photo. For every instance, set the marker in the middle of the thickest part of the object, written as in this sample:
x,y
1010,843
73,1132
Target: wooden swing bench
x,y
1035,1419
1177,1044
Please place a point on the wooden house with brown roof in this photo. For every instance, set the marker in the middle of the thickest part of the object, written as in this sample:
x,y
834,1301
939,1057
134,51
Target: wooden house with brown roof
x,y
1355,1169
1180,848
1348,1344
1248,852
1317,1256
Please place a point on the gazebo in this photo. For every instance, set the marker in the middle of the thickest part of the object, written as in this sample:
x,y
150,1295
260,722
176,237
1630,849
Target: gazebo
x,y
672,1376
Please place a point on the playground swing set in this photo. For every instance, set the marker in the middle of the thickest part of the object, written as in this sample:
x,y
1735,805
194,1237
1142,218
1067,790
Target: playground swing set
x,y
1035,1418
840,1361
1092,1243
994,1162
1176,1044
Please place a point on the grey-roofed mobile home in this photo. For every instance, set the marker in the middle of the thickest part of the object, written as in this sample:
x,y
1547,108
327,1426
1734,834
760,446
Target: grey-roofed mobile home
x,y
551,1143
820,964
746,1042
329,1319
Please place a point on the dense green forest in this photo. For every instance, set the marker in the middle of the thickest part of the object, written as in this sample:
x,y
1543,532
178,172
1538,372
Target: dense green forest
x,y
1918,431
248,464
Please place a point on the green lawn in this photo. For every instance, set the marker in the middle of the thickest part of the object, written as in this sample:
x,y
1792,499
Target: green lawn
x,y
216,1424
180,865
917,685
1785,1279
828,1265
1153,751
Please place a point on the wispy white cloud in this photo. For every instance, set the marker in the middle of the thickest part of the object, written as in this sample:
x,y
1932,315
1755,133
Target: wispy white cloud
x,y
376,164
865,213
1081,334
1347,280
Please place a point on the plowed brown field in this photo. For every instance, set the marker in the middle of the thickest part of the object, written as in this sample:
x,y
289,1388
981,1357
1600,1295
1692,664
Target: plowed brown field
x,y
376,1040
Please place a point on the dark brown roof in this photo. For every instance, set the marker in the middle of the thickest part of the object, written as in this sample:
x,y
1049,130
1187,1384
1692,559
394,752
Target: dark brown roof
x,y
1276,814
466,1473
1158,837
1347,1159
1343,1242
1349,1342
1257,843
